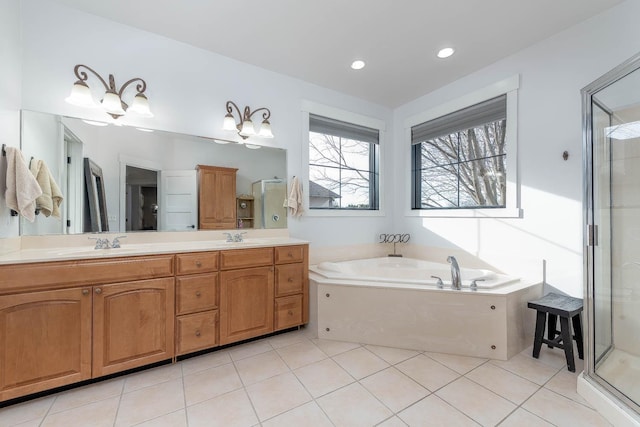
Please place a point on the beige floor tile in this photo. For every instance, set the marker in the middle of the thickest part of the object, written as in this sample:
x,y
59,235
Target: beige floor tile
x,y
27,411
213,382
301,354
522,418
392,422
308,415
228,410
460,364
95,414
249,349
32,423
150,402
332,348
323,377
353,406
478,403
427,372
504,383
565,383
528,367
562,411
204,362
435,412
392,355
553,357
394,389
174,419
287,339
277,395
151,377
360,362
260,367
88,394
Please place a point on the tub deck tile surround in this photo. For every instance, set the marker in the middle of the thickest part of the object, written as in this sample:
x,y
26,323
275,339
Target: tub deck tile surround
x,y
387,396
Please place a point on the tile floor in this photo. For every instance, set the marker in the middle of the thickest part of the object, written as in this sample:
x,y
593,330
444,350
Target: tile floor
x,y
293,380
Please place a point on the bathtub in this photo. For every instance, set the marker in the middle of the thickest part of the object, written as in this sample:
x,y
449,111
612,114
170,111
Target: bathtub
x,y
394,302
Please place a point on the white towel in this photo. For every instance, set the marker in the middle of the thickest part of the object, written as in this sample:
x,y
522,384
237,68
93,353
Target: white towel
x,y
294,201
22,188
51,198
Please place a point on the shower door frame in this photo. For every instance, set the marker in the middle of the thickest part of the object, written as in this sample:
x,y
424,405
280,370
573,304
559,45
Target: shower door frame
x,y
590,230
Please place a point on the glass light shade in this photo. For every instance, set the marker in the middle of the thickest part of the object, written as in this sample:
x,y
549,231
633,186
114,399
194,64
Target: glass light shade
x,y
140,106
112,104
80,95
247,128
229,123
265,130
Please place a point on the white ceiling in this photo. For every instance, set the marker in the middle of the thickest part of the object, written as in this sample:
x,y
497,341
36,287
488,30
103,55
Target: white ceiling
x,y
316,41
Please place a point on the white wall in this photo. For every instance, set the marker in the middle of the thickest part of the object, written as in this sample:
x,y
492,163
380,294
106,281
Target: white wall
x,y
549,122
10,87
187,88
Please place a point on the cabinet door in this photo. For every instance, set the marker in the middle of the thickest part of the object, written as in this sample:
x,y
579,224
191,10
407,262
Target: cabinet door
x,y
246,303
133,324
217,197
45,340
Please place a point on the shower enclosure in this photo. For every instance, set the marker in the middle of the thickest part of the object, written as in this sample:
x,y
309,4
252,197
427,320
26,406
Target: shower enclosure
x,y
611,108
269,196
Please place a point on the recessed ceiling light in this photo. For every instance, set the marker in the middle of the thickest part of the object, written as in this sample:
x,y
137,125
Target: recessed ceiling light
x,y
145,130
358,64
94,123
446,52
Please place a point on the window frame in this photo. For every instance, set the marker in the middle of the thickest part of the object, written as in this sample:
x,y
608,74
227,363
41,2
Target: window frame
x,y
308,108
512,209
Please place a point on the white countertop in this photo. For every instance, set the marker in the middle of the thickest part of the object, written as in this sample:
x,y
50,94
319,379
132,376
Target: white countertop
x,y
65,253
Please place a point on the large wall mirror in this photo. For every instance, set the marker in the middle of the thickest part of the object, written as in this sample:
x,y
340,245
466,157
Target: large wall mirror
x,y
122,179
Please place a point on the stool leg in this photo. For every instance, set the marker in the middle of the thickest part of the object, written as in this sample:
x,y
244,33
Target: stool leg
x,y
577,332
541,319
551,328
567,342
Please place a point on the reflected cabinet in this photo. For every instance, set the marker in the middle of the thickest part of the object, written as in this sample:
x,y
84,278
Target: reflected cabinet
x,y
216,197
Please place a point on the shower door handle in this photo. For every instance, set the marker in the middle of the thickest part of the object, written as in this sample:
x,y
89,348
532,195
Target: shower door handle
x,y
592,235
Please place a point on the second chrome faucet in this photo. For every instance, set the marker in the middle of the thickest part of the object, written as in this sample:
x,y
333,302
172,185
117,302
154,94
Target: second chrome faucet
x,y
456,283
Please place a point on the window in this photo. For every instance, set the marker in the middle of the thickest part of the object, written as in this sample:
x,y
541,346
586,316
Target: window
x,y
343,165
459,160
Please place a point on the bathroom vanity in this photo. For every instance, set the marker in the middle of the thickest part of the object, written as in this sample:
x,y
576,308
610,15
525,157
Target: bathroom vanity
x,y
86,316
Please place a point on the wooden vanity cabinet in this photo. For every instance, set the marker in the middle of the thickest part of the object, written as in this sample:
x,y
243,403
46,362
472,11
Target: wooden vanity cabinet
x,y
216,197
45,340
291,286
197,298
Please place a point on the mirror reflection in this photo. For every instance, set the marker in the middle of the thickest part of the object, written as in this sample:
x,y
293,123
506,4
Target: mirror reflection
x,y
121,179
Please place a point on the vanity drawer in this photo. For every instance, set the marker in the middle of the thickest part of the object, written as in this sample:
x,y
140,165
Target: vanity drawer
x,y
196,293
196,332
288,312
241,258
288,254
289,279
198,262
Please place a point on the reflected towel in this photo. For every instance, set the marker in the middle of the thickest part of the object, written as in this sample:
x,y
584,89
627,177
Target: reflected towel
x,y
294,201
51,198
22,188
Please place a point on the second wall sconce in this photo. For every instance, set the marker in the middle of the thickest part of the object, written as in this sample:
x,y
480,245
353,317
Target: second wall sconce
x,y
112,101
245,127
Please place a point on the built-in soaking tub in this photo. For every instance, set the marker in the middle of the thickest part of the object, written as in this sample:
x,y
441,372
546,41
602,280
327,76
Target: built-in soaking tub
x,y
395,302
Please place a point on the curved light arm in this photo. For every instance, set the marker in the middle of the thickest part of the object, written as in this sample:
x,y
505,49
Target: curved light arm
x,y
82,76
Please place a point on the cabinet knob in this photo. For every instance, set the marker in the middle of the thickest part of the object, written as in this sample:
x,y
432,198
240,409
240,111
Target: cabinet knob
x,y
290,313
85,292
197,332
493,307
290,280
198,294
290,255
98,291
198,264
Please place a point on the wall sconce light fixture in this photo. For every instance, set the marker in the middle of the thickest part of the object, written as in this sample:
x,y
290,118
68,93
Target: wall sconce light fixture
x,y
245,128
112,101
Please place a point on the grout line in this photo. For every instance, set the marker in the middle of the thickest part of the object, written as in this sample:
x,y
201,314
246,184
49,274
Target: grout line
x,y
119,402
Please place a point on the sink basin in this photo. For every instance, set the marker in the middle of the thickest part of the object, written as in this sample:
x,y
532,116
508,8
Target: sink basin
x,y
84,251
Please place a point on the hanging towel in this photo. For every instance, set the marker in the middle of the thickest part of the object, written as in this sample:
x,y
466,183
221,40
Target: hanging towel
x,y
294,201
22,188
51,198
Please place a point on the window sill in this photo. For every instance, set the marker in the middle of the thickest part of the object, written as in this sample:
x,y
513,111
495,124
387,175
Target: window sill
x,y
467,213
343,213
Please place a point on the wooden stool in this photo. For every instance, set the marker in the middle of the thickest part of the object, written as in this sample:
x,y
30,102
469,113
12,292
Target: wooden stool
x,y
566,308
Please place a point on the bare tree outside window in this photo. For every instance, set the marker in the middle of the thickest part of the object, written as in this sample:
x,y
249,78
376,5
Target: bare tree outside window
x,y
346,168
463,169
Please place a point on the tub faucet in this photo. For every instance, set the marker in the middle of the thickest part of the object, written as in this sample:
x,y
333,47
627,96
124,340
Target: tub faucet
x,y
455,273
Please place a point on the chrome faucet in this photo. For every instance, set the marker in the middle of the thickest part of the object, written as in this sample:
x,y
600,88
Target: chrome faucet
x,y
116,242
101,243
235,237
456,283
